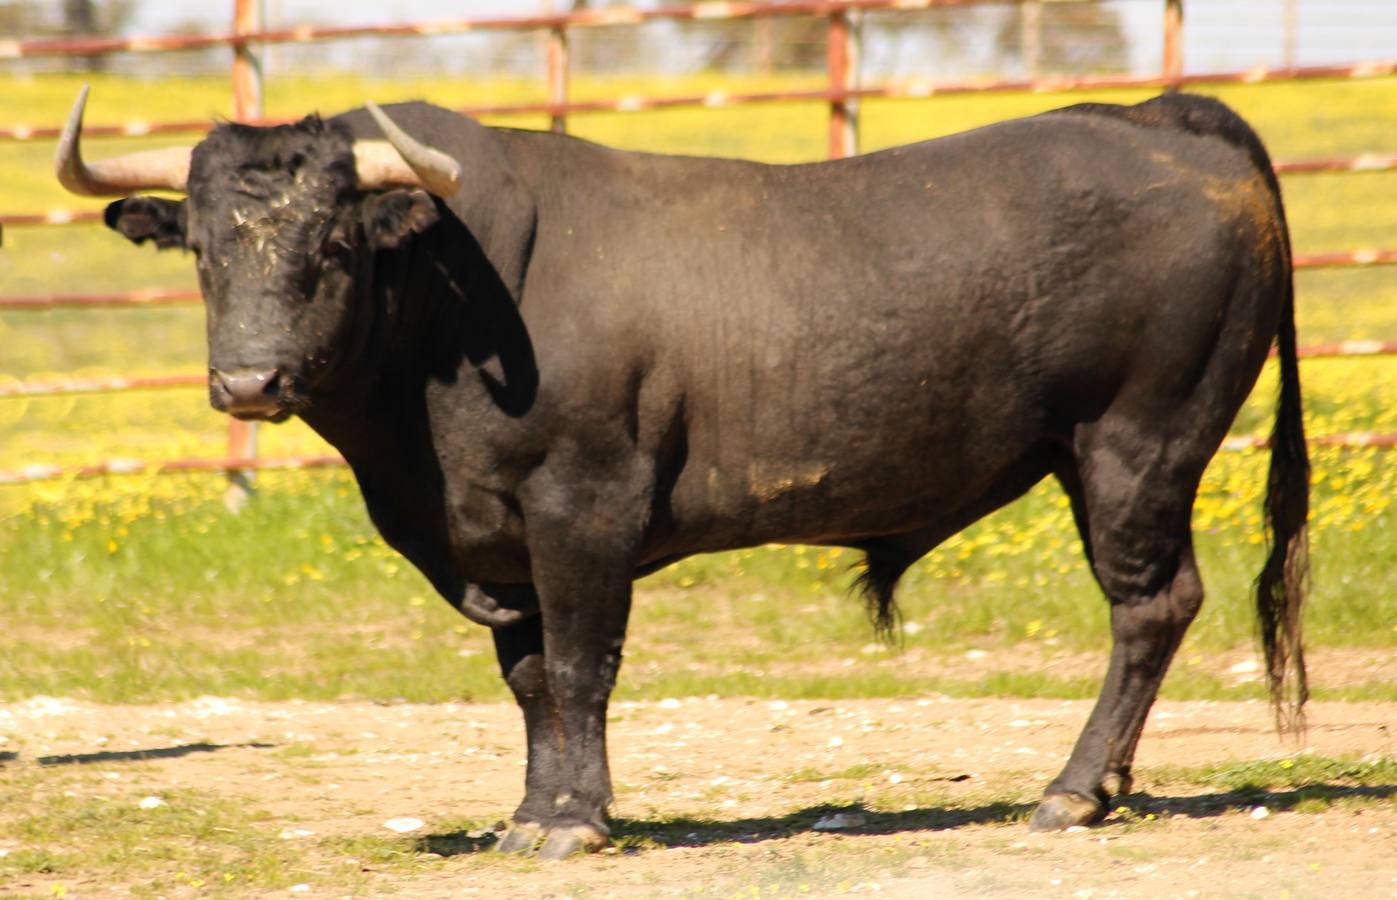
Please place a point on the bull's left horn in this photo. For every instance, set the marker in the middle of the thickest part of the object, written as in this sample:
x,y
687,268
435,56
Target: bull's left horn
x,y
166,169
403,160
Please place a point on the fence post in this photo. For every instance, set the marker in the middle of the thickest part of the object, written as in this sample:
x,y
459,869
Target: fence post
x,y
765,41
558,64
1291,23
1173,66
247,105
1031,37
842,48
247,70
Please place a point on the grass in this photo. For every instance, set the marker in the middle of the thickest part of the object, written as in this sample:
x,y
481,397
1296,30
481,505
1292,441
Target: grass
x,y
75,830
1304,783
163,594
1303,770
145,589
194,840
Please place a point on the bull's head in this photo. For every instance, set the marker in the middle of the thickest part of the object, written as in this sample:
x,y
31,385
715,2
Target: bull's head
x,y
283,222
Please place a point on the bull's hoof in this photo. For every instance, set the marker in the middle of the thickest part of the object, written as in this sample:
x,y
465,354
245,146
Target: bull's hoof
x,y
1059,811
564,842
521,838
1116,784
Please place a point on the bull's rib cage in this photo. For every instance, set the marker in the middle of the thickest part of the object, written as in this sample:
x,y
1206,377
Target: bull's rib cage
x,y
841,94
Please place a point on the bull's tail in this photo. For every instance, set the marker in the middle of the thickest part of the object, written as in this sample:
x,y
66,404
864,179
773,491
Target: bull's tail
x,y
1282,584
878,585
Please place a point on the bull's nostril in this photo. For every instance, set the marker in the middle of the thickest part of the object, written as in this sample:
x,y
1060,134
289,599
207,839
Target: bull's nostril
x,y
249,391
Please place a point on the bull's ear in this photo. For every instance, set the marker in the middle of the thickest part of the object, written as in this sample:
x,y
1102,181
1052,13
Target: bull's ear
x,y
393,215
148,218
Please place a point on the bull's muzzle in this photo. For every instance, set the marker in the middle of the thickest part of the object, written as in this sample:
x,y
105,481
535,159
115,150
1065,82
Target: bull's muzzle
x,y
247,393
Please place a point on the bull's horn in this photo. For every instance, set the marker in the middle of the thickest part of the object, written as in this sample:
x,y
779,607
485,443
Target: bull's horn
x,y
402,159
166,169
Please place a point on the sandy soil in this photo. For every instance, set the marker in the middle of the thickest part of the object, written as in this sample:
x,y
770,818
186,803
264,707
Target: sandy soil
x,y
942,780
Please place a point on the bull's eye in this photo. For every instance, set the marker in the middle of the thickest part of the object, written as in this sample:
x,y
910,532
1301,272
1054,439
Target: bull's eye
x,y
338,252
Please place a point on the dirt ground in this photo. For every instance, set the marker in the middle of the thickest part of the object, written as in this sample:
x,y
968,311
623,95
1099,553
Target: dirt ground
x,y
725,794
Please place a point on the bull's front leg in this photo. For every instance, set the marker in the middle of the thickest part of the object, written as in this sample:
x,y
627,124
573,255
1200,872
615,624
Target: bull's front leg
x,y
584,586
519,648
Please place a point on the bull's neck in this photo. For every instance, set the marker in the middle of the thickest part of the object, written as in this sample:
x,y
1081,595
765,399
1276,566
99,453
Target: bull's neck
x,y
435,311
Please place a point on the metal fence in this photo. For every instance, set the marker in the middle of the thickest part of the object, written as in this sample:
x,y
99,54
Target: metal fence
x,y
842,93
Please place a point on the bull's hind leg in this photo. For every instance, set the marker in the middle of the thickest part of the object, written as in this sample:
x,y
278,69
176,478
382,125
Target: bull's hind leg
x,y
1133,497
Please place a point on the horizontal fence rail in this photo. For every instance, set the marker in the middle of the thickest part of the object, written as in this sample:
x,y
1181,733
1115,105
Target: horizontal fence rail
x,y
913,88
40,302
52,217
60,387
1368,257
1346,348
30,474
1365,162
1356,440
595,18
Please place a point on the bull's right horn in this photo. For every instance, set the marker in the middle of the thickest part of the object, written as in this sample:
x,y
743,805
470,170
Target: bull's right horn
x,y
165,169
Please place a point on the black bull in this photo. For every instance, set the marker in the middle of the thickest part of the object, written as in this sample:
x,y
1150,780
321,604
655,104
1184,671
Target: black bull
x,y
585,364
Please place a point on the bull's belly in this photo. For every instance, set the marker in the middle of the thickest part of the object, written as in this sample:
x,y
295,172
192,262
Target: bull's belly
x,y
897,486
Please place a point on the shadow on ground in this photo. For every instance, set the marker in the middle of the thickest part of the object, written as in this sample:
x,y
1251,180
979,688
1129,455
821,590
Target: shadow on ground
x,y
107,756
1205,805
638,834
458,843
631,834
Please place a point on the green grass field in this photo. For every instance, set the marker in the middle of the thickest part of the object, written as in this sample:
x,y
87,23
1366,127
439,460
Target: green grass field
x,y
146,588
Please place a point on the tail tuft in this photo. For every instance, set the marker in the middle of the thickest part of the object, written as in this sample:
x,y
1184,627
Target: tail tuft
x,y
878,584
1284,581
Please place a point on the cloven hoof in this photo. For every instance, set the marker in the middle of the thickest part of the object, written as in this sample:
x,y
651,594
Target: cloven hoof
x,y
1059,811
521,838
564,842
1117,784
